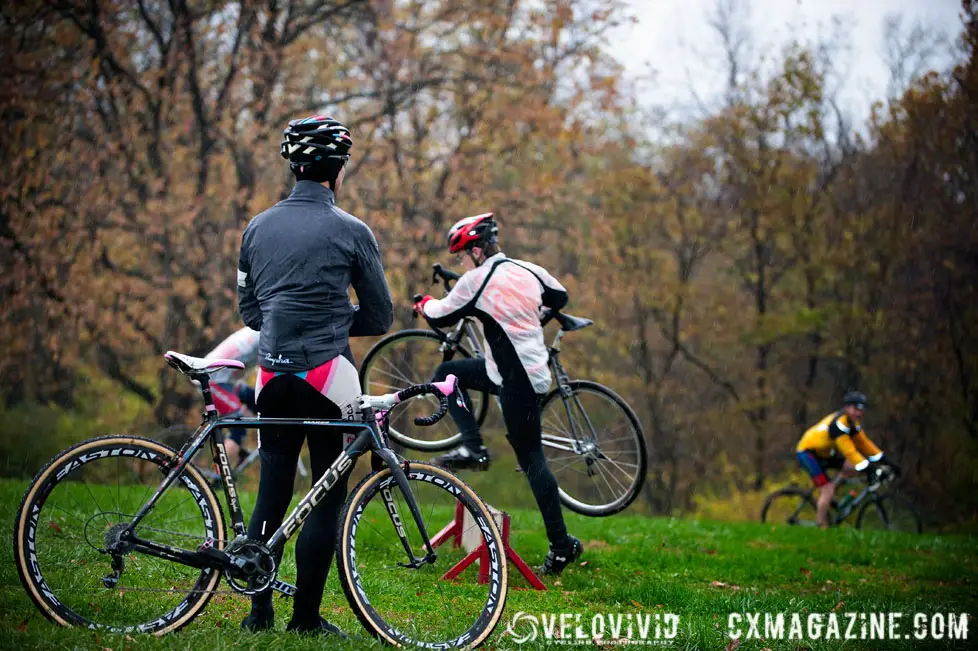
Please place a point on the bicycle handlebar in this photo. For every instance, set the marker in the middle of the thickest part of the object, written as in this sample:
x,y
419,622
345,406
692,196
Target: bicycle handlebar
x,y
446,276
442,389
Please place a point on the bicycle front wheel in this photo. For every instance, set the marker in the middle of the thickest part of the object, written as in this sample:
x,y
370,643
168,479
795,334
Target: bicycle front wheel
x,y
406,358
595,447
75,508
408,604
891,513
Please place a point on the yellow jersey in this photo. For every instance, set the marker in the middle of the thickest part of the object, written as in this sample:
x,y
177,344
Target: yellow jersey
x,y
837,432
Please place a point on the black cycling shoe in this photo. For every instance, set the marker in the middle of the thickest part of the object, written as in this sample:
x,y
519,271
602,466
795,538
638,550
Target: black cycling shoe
x,y
322,627
259,619
559,558
462,458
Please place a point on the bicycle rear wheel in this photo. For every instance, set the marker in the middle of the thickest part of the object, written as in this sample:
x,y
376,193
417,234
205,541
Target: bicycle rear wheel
x,y
891,513
793,506
396,603
77,505
406,358
595,447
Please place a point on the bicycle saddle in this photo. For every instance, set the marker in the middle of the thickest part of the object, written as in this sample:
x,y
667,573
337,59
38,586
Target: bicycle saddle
x,y
569,323
198,365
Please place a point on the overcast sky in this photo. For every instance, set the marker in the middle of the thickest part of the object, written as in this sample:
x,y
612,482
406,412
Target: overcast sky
x,y
673,39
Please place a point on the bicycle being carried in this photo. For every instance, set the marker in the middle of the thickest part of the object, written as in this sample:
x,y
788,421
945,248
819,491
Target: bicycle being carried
x,y
874,508
96,548
593,440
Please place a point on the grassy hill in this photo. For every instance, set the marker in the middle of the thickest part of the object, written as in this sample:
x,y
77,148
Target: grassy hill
x,y
701,571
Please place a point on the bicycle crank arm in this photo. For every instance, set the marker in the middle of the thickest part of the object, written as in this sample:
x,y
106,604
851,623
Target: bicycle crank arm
x,y
208,558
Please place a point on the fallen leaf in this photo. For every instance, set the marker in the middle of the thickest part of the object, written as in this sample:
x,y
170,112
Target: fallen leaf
x,y
807,572
719,584
22,626
733,644
55,526
711,551
128,638
637,605
839,606
584,563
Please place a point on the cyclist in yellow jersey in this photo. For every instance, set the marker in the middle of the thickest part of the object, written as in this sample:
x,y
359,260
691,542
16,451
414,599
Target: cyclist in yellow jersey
x,y
839,442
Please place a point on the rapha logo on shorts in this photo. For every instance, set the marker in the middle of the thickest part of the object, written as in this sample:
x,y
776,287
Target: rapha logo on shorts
x,y
277,360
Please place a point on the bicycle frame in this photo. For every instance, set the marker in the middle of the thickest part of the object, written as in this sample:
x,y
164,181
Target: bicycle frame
x,y
370,438
868,492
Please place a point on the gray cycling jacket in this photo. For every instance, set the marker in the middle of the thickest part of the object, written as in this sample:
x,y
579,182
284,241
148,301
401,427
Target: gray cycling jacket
x,y
298,261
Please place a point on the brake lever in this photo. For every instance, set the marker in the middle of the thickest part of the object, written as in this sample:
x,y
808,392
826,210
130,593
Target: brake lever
x,y
414,301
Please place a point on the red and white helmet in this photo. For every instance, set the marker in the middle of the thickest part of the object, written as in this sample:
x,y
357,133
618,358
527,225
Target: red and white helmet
x,y
472,231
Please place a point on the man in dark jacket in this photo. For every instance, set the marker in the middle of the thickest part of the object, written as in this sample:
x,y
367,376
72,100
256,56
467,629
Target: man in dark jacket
x,y
298,261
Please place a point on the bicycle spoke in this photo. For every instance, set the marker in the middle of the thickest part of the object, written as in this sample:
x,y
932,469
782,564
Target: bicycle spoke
x,y
397,375
605,474
619,465
602,474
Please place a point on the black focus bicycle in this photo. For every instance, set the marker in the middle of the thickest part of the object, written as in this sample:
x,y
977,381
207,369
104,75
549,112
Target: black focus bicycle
x,y
593,441
874,509
97,547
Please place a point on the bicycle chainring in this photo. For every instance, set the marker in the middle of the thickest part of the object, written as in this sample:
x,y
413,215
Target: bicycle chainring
x,y
253,566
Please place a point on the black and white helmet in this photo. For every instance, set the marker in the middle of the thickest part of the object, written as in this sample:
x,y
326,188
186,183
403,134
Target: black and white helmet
x,y
314,141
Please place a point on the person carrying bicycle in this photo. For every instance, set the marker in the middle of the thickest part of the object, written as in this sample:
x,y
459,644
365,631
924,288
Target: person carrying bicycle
x,y
507,296
231,394
838,441
298,260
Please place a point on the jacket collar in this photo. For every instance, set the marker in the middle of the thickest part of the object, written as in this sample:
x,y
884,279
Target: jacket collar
x,y
491,260
312,191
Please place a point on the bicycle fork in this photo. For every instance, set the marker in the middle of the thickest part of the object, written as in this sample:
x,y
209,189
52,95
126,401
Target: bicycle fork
x,y
392,511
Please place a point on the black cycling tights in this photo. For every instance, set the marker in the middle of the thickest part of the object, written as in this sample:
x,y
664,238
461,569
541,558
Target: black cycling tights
x,y
287,396
521,412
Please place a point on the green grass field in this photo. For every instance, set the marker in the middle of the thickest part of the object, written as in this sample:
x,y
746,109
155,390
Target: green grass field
x,y
635,566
